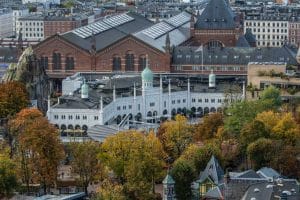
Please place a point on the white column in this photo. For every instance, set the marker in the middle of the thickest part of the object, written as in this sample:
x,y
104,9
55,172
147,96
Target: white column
x,y
101,112
188,94
114,93
160,96
134,100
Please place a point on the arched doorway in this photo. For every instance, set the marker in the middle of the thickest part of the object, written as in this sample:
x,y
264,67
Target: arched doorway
x,y
149,117
200,111
138,117
206,110
213,110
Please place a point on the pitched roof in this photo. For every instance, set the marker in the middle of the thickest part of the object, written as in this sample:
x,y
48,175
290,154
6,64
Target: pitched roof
x,y
232,55
212,171
110,33
249,36
168,180
242,42
267,172
216,15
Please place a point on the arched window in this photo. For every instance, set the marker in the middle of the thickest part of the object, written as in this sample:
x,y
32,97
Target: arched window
x,y
44,62
129,62
56,60
69,63
142,63
116,63
214,44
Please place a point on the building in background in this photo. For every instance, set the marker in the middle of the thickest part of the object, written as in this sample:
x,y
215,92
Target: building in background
x,y
31,26
6,23
17,13
294,30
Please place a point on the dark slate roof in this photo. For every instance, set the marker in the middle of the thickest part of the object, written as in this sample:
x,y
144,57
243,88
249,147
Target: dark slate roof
x,y
216,15
242,42
272,190
267,172
249,36
245,174
110,36
212,171
184,55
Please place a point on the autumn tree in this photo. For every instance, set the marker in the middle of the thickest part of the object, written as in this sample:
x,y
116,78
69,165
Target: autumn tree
x,y
38,148
208,128
110,191
137,160
251,132
85,162
176,136
183,174
13,98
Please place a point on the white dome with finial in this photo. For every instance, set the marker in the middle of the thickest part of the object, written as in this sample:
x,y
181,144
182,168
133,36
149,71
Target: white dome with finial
x,y
147,75
84,90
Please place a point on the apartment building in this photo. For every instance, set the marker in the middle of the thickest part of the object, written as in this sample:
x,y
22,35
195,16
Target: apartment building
x,y
269,30
32,27
18,13
294,30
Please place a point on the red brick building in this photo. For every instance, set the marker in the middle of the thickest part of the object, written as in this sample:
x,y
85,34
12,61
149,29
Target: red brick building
x,y
115,44
216,26
54,24
294,31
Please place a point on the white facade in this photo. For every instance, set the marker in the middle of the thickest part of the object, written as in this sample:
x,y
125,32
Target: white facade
x,y
271,32
32,27
41,1
16,15
148,107
6,23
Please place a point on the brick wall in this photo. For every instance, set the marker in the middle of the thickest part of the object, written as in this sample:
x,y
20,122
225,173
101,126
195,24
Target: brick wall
x,y
159,61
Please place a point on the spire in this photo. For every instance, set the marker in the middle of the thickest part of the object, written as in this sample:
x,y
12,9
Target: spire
x,y
168,44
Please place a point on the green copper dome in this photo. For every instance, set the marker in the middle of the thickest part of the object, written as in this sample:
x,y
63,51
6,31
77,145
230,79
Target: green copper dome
x,y
147,75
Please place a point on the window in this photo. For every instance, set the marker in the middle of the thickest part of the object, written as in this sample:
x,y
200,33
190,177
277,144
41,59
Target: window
x,y
129,62
55,116
84,117
219,100
178,101
173,101
200,100
56,60
96,118
118,108
63,117
206,100
142,62
212,100
70,117
193,100
69,63
183,100
44,62
116,63
77,117
165,104
124,107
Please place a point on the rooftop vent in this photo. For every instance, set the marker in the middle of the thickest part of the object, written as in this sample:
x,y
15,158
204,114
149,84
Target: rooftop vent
x,y
256,190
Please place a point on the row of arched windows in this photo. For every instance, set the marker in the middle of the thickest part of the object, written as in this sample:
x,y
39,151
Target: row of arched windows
x,y
129,62
56,62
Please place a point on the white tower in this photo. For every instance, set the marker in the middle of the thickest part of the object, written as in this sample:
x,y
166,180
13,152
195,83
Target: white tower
x,y
168,188
84,90
147,78
212,80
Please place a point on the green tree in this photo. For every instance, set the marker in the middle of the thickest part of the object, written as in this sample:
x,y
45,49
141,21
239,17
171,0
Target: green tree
x,y
85,162
8,178
13,98
261,152
183,174
176,136
110,191
271,95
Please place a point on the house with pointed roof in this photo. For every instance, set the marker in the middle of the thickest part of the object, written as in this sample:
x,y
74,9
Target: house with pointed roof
x,y
216,26
210,180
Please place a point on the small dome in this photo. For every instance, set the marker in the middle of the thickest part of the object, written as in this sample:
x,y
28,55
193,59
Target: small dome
x,y
84,90
147,75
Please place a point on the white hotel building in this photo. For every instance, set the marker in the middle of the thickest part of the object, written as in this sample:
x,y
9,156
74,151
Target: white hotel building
x,y
269,30
83,106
